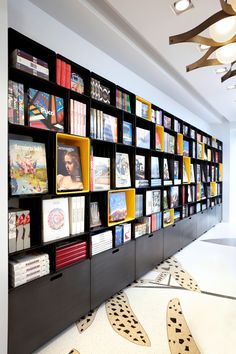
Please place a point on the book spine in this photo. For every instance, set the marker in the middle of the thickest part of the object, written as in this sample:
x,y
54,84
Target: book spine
x,y
10,102
21,104
68,76
63,74
58,71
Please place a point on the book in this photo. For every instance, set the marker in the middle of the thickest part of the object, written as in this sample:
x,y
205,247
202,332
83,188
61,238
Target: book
x,y
166,218
69,171
166,173
176,170
167,122
185,175
109,130
45,111
127,133
77,83
138,205
28,167
185,148
100,176
55,219
174,197
155,171
118,239
122,170
185,129
140,180
95,219
126,232
142,138
117,206
165,199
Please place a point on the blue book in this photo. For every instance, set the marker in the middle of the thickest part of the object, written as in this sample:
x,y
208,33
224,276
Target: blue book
x,y
186,148
118,235
127,133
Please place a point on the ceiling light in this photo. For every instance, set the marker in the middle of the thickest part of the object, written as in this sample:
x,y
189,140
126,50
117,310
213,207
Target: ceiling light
x,y
224,29
231,87
221,49
221,70
226,54
203,47
181,6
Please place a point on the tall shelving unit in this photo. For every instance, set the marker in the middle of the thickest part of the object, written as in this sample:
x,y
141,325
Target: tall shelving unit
x,y
40,309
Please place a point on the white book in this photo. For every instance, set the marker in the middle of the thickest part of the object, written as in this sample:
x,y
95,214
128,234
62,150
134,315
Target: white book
x,y
148,202
72,215
126,232
55,219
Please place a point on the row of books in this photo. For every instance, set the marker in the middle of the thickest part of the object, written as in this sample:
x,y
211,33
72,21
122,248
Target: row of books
x,y
25,268
77,118
157,116
142,226
62,217
99,92
67,77
101,242
103,126
122,234
70,254
123,101
18,229
169,143
26,62
16,103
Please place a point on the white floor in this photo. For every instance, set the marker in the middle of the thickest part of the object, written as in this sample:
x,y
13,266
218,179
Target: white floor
x,y
210,313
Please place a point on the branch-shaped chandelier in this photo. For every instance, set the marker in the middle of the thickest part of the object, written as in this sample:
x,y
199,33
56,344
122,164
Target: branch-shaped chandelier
x,y
222,40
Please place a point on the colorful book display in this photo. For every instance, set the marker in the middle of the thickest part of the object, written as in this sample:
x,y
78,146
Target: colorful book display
x,y
45,111
117,206
16,103
28,167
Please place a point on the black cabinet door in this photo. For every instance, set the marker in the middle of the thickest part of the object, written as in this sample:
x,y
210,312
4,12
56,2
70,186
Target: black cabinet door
x,y
218,213
172,239
112,271
149,252
202,222
189,230
211,217
41,309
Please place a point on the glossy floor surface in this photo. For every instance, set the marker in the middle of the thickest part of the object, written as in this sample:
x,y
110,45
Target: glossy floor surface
x,y
185,305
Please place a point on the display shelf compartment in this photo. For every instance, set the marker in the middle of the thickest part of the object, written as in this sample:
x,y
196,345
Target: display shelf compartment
x,y
130,205
84,147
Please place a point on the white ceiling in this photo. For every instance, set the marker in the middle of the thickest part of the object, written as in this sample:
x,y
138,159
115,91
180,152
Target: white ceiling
x,y
136,33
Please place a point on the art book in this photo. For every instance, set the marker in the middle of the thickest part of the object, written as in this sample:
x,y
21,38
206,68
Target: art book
x,y
28,167
109,128
155,171
69,172
101,173
95,219
186,148
117,206
174,197
166,170
143,138
122,170
45,111
55,219
140,167
127,133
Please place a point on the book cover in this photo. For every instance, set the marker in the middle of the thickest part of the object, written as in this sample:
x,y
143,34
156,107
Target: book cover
x,y
185,175
165,199
185,129
118,240
155,171
101,173
174,197
176,170
142,138
127,133
55,219
185,148
45,111
122,170
167,122
69,172
126,232
158,140
156,201
166,170
28,167
77,83
166,218
117,206
109,128
140,167
95,219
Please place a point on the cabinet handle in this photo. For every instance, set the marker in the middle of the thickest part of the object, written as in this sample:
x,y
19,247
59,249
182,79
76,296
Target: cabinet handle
x,y
151,235
116,250
173,225
190,217
55,277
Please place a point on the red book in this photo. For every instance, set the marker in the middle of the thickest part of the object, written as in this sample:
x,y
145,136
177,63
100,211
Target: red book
x,y
73,246
58,71
72,255
68,76
63,74
69,262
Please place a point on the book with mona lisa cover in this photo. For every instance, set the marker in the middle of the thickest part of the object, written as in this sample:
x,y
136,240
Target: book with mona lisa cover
x,y
69,172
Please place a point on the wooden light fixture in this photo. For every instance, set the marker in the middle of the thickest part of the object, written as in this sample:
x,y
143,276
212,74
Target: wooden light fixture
x,y
222,28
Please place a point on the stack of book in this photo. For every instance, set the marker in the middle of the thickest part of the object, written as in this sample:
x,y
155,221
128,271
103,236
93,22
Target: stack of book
x,y
24,268
16,103
27,62
143,226
101,242
156,221
76,214
103,126
70,254
77,118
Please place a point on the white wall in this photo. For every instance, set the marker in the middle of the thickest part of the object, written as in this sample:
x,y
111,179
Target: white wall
x,y
3,180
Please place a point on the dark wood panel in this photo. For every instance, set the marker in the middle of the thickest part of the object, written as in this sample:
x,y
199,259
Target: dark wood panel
x,y
149,252
112,271
41,309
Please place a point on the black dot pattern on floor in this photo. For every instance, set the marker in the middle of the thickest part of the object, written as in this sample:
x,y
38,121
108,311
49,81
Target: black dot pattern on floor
x,y
179,336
